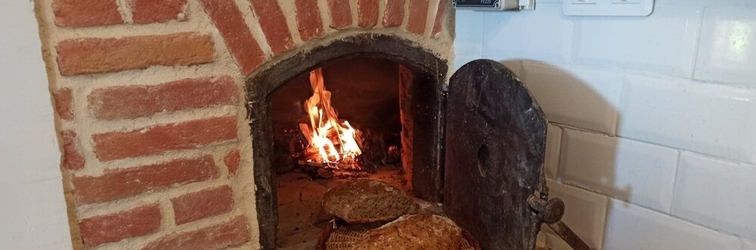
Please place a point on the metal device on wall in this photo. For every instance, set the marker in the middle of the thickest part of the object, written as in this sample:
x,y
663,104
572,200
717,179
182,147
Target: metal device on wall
x,y
495,5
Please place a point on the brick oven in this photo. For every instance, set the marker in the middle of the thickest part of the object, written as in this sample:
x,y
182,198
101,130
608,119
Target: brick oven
x,y
151,105
166,114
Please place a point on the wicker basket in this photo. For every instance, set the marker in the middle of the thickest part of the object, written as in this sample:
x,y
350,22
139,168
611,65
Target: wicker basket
x,y
339,235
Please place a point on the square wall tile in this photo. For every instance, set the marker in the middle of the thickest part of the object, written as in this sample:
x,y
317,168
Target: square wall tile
x,y
633,227
553,242
716,194
581,97
540,240
585,211
664,42
553,140
706,118
749,244
727,50
469,33
544,34
640,173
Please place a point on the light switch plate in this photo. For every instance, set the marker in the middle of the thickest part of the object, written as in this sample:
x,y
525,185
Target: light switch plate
x,y
608,7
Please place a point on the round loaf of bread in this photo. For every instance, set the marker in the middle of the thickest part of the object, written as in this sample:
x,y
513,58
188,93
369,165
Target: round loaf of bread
x,y
414,232
364,201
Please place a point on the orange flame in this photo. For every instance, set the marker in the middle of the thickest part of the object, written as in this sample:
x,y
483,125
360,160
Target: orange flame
x,y
332,139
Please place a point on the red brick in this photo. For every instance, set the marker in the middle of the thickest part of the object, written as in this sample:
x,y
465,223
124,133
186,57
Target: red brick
x,y
71,158
64,103
230,23
158,139
273,24
157,11
231,233
232,161
367,12
341,13
202,204
438,23
101,55
139,221
128,182
393,16
418,11
137,101
82,13
308,19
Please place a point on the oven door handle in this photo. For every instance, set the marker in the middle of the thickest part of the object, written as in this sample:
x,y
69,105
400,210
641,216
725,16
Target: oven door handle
x,y
550,212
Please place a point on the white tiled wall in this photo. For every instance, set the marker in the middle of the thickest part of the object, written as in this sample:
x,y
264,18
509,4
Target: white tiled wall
x,y
585,87
652,141
729,55
717,206
749,245
628,170
632,227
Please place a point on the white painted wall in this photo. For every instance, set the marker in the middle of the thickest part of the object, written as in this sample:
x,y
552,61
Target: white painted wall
x,y
653,136
32,209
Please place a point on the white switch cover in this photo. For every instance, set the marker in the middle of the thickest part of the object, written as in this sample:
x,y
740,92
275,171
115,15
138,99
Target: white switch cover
x,y
608,7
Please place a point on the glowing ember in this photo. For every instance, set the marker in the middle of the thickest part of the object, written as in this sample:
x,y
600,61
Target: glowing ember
x,y
330,140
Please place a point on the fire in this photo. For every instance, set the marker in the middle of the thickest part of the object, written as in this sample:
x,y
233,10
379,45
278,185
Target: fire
x,y
332,139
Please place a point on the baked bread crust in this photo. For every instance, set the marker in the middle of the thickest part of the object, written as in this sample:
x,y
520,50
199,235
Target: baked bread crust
x,y
364,201
414,232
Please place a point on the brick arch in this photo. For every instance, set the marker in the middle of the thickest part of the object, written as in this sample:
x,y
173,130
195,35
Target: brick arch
x,y
287,27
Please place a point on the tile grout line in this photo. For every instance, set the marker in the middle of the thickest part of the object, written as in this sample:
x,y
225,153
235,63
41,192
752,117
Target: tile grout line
x,y
674,182
584,130
559,152
618,114
696,50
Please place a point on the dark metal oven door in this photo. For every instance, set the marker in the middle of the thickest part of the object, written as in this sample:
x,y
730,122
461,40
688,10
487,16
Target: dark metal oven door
x,y
494,152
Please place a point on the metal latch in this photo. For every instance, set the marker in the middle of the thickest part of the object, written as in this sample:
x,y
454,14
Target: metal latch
x,y
550,211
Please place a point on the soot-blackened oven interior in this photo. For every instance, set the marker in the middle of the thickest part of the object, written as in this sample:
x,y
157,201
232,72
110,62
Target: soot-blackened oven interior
x,y
476,149
372,102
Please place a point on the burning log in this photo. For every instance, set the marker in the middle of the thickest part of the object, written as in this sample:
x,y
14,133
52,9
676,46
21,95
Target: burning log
x,y
332,138
288,145
314,170
380,148
327,142
328,165
307,132
325,173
